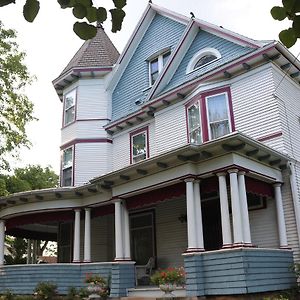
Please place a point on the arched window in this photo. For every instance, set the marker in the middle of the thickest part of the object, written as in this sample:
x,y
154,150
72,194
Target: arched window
x,y
202,58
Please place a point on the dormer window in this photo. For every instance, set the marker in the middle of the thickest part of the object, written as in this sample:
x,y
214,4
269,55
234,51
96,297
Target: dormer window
x,y
156,65
69,107
203,58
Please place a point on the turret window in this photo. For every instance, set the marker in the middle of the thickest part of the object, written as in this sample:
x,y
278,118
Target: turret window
x,y
67,167
69,107
156,65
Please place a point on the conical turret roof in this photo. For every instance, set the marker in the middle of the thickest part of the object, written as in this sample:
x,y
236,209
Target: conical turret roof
x,y
97,52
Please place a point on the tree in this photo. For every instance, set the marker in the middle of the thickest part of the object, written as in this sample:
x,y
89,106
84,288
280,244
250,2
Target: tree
x,y
16,110
290,9
81,9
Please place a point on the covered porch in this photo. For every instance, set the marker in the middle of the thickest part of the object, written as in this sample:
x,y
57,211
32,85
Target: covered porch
x,y
202,207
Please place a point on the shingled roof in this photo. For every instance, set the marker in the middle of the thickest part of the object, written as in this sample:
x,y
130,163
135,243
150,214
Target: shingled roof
x,y
97,52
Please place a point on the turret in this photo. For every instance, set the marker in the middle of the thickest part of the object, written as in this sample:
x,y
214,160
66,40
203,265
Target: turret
x,y
86,108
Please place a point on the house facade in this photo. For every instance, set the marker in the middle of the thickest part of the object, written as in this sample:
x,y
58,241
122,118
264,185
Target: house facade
x,y
184,148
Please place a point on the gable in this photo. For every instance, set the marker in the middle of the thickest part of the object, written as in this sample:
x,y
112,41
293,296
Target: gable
x,y
133,85
229,51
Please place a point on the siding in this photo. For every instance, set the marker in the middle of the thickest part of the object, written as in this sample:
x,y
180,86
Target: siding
x,y
162,33
91,160
229,51
170,131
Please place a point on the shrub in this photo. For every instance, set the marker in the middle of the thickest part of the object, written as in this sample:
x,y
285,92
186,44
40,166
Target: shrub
x,y
45,291
8,295
170,275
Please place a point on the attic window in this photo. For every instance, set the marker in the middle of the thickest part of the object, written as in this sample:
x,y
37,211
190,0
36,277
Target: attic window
x,y
202,58
156,65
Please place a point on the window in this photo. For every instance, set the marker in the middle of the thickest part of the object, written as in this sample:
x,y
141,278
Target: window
x,y
69,107
209,116
156,65
139,145
202,58
67,167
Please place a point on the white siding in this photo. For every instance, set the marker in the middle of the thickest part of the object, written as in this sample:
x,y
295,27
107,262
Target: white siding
x,y
170,129
121,151
91,160
171,234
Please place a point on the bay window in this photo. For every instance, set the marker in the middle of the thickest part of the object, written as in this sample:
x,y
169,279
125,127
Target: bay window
x,y
67,167
139,145
69,107
194,123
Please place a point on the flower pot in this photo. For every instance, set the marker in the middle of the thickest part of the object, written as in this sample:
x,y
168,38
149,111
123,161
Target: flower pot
x,y
168,288
94,291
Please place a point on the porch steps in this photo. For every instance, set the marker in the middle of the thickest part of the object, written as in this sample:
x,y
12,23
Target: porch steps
x,y
151,293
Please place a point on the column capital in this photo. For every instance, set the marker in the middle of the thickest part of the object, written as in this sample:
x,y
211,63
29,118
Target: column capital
x,y
116,200
234,170
77,209
189,179
241,172
221,174
87,208
277,184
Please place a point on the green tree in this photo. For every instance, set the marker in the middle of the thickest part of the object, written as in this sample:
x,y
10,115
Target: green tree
x,y
16,110
81,9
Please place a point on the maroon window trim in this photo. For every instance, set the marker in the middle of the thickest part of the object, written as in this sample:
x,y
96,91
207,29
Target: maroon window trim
x,y
136,132
75,108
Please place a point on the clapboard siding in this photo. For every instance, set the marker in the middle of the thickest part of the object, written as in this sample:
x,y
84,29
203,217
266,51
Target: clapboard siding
x,y
91,160
171,234
263,226
171,131
228,50
161,33
22,279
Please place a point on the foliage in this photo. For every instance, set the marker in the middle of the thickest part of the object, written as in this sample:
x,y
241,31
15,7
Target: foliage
x,y
8,295
95,279
81,9
16,110
170,275
73,294
17,251
290,9
97,285
45,291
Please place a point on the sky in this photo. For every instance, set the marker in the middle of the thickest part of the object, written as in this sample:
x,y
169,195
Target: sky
x,y
50,43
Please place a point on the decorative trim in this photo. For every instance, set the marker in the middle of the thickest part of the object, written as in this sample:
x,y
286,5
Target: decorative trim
x,y
270,136
78,70
85,141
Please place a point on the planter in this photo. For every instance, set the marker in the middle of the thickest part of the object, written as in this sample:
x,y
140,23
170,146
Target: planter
x,y
94,291
168,288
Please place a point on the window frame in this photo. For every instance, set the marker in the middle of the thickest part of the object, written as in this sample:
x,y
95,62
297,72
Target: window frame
x,y
136,133
64,124
160,64
65,168
204,119
198,102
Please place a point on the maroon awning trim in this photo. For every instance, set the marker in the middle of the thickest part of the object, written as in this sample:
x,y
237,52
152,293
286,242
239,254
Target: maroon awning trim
x,y
103,210
258,187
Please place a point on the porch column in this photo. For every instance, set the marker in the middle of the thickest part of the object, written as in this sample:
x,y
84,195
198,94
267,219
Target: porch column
x,y
198,214
126,234
118,231
34,251
28,259
280,216
244,208
87,235
236,210
76,249
2,241
225,218
190,208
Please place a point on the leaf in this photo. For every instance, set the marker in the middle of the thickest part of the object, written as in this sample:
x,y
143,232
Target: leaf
x,y
84,31
101,14
79,11
119,3
85,3
63,2
5,2
31,9
288,4
288,37
296,26
278,13
91,14
117,16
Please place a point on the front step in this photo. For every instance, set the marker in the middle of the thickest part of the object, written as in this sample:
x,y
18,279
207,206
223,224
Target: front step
x,y
151,293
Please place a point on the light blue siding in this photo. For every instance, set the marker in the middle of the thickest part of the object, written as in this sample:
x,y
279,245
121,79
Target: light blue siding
x,y
162,33
229,52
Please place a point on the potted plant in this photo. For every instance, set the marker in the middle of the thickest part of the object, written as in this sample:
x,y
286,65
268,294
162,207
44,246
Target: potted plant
x,y
97,286
168,279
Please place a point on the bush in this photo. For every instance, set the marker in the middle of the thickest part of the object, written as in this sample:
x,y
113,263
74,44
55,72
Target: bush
x,y
8,295
45,291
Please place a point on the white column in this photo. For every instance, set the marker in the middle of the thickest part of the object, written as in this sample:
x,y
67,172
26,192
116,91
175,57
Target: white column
x,y
280,216
87,235
225,218
198,215
34,251
76,248
126,233
190,208
236,210
2,241
244,208
118,231
28,259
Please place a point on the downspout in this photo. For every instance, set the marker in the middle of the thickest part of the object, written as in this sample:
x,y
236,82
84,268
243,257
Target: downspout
x,y
295,197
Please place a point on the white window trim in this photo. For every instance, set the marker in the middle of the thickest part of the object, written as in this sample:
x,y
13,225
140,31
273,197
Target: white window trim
x,y
200,119
206,51
74,105
207,114
64,168
160,61
145,131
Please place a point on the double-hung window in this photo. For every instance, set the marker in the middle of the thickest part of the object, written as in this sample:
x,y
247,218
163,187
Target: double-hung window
x,y
67,167
209,116
139,145
156,65
69,107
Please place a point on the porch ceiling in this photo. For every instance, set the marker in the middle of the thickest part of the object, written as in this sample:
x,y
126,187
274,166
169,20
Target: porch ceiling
x,y
232,143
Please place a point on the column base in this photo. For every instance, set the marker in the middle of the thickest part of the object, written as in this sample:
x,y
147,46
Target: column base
x,y
226,246
193,250
286,247
243,245
122,259
87,261
76,261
